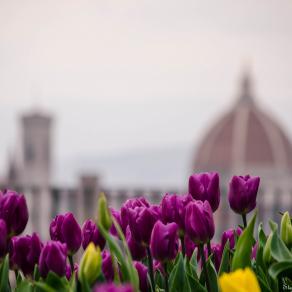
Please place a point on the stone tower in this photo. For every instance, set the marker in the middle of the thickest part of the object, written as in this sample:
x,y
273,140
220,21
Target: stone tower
x,y
36,150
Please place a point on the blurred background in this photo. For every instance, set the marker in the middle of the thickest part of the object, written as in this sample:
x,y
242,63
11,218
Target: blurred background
x,y
131,97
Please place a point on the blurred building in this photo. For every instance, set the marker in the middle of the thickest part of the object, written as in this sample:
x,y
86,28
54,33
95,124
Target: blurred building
x,y
246,140
29,172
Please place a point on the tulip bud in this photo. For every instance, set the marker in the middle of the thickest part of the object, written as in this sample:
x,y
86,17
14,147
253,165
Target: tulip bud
x,y
164,241
111,287
254,251
117,216
205,187
141,222
243,193
64,228
199,222
138,251
216,250
173,208
13,210
90,264
142,273
3,238
107,266
24,252
103,216
91,234
286,229
189,246
131,204
230,235
53,258
267,257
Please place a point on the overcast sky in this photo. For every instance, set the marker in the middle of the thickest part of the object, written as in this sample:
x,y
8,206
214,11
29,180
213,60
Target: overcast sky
x,y
122,75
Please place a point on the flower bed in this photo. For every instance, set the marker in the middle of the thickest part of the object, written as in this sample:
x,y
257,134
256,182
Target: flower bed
x,y
144,247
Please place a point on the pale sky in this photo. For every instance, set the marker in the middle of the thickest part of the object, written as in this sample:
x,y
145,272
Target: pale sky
x,y
128,75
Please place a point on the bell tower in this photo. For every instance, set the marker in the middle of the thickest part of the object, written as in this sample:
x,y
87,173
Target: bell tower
x,y
36,150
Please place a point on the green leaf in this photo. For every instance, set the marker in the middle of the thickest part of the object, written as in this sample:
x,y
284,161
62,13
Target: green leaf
x,y
44,287
159,281
177,277
273,225
57,282
278,268
126,270
72,283
262,238
4,280
84,285
191,266
225,260
241,258
195,285
263,285
24,286
212,276
262,277
36,273
279,251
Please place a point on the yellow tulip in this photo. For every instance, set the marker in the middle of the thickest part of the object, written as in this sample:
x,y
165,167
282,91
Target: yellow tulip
x,y
90,264
286,229
103,214
239,281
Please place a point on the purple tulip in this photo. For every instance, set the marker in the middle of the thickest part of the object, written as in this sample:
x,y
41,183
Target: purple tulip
x,y
131,204
158,266
205,187
91,234
243,193
199,222
3,238
111,287
117,215
64,228
69,272
255,251
164,241
229,235
141,222
142,273
13,210
24,252
216,251
173,209
53,258
107,266
137,250
189,246
217,255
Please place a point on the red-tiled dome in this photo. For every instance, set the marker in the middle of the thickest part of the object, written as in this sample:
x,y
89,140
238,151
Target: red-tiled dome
x,y
245,139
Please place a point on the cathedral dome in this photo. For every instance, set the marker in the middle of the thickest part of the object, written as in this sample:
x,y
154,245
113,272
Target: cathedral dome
x,y
245,140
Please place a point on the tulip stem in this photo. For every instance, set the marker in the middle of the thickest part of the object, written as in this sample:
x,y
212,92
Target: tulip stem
x,y
244,220
201,249
150,265
70,257
209,248
183,247
166,277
